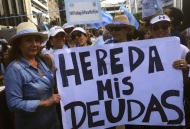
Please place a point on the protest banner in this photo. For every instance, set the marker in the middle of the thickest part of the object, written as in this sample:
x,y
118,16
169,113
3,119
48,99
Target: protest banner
x,y
83,11
151,7
125,83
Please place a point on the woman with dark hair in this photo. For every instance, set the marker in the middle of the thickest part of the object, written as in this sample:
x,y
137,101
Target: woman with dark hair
x,y
6,117
160,27
68,28
57,40
29,82
4,47
80,37
177,18
120,29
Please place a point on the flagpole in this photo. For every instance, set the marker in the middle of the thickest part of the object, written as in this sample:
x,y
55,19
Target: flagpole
x,y
136,6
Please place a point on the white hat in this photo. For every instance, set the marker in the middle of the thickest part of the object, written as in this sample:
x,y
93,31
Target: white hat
x,y
3,41
79,29
27,29
55,30
67,25
159,18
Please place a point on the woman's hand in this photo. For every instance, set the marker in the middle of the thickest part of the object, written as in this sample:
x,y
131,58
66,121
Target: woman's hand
x,y
54,99
180,64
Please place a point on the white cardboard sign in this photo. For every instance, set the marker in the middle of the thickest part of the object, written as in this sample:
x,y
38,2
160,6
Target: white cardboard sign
x,y
83,11
124,83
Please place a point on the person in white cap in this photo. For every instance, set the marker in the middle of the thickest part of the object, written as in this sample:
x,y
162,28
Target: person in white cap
x,y
56,40
68,28
29,82
161,27
80,37
57,37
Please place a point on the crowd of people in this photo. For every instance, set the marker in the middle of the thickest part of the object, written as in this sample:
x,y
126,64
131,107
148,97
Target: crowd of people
x,y
28,67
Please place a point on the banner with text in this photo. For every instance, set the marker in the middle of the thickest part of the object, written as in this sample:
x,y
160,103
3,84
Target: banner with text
x,y
83,11
125,83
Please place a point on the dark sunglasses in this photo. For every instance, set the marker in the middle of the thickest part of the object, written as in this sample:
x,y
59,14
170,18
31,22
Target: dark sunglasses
x,y
161,26
77,34
60,35
115,29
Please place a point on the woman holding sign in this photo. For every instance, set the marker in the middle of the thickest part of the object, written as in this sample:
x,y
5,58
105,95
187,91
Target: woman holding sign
x,y
29,82
121,30
161,27
56,41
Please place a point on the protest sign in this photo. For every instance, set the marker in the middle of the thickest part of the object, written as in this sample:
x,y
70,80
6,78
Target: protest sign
x,y
151,7
125,83
83,11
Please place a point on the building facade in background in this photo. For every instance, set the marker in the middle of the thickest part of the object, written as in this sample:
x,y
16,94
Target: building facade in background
x,y
12,12
37,10
54,12
166,3
111,8
62,11
135,6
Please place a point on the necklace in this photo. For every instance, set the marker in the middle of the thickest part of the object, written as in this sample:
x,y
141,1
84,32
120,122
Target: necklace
x,y
40,72
35,64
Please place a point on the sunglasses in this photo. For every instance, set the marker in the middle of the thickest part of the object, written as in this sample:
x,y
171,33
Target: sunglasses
x,y
77,34
60,35
160,26
113,29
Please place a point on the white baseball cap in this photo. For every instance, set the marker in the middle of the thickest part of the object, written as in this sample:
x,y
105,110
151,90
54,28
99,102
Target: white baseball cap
x,y
67,25
159,18
55,30
79,29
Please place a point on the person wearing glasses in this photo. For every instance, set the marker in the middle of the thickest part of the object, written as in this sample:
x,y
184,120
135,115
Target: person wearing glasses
x,y
57,40
160,26
120,29
68,28
29,82
80,37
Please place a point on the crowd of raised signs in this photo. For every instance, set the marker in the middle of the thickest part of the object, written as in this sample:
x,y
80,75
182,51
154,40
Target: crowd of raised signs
x,y
27,64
